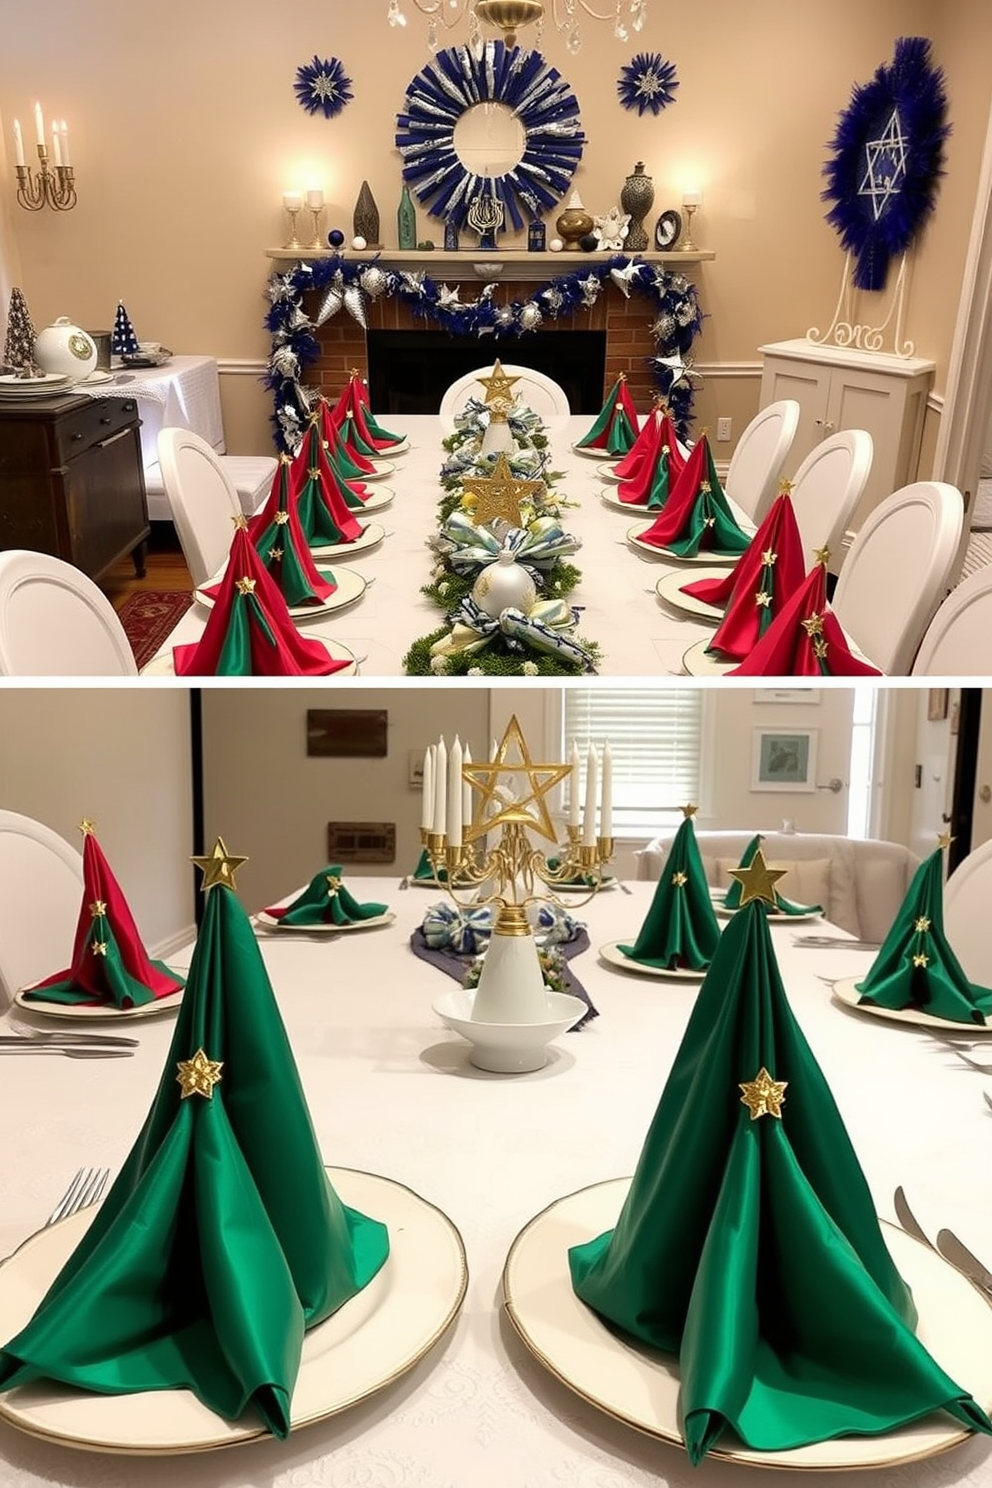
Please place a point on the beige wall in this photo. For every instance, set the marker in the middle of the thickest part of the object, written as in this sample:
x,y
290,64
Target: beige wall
x,y
185,132
122,758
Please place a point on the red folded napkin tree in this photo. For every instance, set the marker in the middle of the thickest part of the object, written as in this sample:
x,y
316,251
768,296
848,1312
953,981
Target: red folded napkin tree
x,y
805,639
351,465
359,428
657,472
285,553
325,516
616,426
696,517
109,962
250,632
645,445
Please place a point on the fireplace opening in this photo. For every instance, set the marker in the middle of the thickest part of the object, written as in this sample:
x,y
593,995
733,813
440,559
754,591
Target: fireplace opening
x,y
409,371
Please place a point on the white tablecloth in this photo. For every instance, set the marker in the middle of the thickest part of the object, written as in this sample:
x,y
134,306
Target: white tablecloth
x,y
184,394
620,608
391,1091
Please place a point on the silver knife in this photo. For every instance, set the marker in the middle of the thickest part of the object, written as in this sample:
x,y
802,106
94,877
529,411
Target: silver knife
x,y
68,1038
71,1051
959,1255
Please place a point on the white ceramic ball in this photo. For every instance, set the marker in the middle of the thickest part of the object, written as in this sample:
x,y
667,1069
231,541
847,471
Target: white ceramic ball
x,y
556,245
504,585
65,349
359,243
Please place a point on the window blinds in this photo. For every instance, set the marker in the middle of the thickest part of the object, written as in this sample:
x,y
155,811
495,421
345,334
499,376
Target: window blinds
x,y
655,737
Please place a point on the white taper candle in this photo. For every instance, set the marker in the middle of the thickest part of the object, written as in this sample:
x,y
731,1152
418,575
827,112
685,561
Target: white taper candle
x,y
56,145
427,789
18,143
606,800
440,787
455,794
466,790
574,805
592,791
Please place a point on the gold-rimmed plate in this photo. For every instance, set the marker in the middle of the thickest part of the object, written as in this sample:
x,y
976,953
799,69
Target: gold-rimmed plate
x,y
609,882
399,448
365,1347
593,454
614,956
377,498
708,556
381,469
164,665
846,991
669,589
640,1386
350,588
271,923
610,498
774,917
697,663
372,535
99,1012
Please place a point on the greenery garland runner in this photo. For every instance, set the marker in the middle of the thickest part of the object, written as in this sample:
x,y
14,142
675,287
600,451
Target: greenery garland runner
x,y
348,284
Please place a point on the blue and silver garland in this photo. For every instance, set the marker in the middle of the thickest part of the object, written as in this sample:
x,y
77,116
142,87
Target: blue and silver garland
x,y
346,284
647,82
457,80
888,154
322,87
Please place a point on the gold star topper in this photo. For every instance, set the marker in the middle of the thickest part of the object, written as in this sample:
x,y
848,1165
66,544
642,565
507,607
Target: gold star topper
x,y
921,960
813,625
86,827
219,867
499,495
245,586
97,909
679,880
99,947
199,1075
768,557
689,811
786,487
822,556
758,881
944,840
922,925
355,373
763,1096
333,884
240,522
497,384
486,778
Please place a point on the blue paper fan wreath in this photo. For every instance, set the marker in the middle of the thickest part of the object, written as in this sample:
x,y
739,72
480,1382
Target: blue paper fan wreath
x,y
322,87
455,81
647,83
888,157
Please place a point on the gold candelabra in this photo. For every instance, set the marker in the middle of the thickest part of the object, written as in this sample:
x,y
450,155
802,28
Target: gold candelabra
x,y
53,188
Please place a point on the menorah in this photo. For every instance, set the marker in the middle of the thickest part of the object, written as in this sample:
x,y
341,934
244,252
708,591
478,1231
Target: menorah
x,y
485,216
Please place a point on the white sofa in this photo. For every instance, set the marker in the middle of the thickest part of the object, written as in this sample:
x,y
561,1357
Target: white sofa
x,y
860,883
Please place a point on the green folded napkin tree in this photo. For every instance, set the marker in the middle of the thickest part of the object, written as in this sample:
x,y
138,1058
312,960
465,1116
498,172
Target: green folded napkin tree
x,y
681,929
915,966
424,872
326,901
748,1244
222,1241
732,898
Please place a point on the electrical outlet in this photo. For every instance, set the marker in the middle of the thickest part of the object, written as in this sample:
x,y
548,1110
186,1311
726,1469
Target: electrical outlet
x,y
723,426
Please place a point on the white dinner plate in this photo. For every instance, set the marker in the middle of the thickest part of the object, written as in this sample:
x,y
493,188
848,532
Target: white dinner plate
x,y
593,454
613,956
269,922
774,917
639,1386
632,508
371,536
350,588
669,588
164,665
99,375
394,449
367,1345
846,992
609,882
665,555
79,1011
375,500
696,663
609,472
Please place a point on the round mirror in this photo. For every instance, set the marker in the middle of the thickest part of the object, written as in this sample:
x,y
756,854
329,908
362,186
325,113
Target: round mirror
x,y
489,139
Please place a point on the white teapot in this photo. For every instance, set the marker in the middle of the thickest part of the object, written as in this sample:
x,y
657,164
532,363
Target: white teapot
x,y
65,349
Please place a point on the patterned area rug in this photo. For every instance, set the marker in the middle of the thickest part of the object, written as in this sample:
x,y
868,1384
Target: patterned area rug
x,y
148,618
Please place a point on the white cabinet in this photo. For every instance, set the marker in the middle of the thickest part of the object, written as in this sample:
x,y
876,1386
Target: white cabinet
x,y
840,387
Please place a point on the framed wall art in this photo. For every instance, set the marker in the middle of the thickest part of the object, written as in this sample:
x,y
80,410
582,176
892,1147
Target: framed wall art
x,y
783,759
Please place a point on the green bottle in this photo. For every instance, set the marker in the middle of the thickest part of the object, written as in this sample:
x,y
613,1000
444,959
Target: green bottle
x,y
406,220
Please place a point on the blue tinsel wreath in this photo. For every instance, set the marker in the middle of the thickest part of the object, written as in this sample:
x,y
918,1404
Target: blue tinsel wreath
x,y
647,82
321,86
888,156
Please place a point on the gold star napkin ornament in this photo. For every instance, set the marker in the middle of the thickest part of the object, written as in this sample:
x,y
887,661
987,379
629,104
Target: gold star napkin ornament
x,y
87,827
758,881
333,884
240,522
487,779
763,1096
768,557
922,925
497,384
99,947
944,840
245,586
199,1075
281,518
822,556
688,811
679,880
498,496
219,866
813,625
921,960
97,909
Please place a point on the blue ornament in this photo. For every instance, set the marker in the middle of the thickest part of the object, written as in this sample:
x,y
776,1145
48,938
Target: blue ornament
x,y
647,83
322,87
335,237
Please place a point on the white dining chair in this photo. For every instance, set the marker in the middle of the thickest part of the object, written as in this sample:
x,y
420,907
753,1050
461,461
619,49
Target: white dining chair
x,y
55,622
897,572
758,461
967,922
202,499
41,888
536,391
827,487
958,640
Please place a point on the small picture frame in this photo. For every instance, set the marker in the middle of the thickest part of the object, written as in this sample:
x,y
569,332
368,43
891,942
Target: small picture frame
x,y
783,759
668,230
790,695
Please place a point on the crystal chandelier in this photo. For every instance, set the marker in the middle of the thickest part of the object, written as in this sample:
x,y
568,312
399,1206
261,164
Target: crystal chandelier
x,y
507,16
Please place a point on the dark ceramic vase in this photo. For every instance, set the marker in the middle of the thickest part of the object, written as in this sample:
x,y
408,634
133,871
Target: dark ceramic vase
x,y
637,198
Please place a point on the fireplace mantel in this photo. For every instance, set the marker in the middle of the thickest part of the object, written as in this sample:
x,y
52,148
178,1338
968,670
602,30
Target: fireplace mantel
x,y
466,265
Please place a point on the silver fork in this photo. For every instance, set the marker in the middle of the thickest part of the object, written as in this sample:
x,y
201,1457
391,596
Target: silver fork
x,y
85,1189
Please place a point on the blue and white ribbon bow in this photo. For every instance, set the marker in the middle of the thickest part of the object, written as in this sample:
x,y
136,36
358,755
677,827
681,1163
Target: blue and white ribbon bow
x,y
537,547
467,931
555,926
540,629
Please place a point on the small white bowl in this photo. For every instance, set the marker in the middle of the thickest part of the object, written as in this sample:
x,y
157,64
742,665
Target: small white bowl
x,y
508,1048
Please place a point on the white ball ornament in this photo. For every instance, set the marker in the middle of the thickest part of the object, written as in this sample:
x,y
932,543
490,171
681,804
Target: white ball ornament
x,y
504,585
556,245
358,243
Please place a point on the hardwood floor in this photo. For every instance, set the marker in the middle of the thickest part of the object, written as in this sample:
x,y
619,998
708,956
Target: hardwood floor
x,y
165,569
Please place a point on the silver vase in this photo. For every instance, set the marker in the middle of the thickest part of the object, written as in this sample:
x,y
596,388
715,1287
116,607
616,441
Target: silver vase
x,y
637,198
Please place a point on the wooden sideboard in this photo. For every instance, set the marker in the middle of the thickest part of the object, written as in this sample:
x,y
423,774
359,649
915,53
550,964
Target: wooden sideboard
x,y
71,481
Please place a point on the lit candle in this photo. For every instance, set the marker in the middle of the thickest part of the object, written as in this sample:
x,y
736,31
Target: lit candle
x,y
427,789
39,124
64,132
56,146
574,810
455,794
440,787
315,200
692,198
592,782
292,201
466,790
606,800
18,143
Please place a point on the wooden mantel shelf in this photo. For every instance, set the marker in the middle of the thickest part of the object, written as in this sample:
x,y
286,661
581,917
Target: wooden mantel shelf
x,y
466,264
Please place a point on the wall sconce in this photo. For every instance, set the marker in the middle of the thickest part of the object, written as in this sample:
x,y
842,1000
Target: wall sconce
x,y
54,188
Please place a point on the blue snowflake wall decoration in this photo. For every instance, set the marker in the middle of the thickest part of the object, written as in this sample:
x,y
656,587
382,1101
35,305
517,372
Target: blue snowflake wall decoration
x,y
648,82
322,87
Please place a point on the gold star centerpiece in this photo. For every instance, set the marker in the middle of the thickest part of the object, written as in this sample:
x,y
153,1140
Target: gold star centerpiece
x,y
245,586
97,909
763,1096
758,881
199,1075
498,496
219,866
922,925
487,778
680,879
497,384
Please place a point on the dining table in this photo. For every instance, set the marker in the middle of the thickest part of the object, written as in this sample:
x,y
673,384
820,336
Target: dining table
x,y
616,597
392,1091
